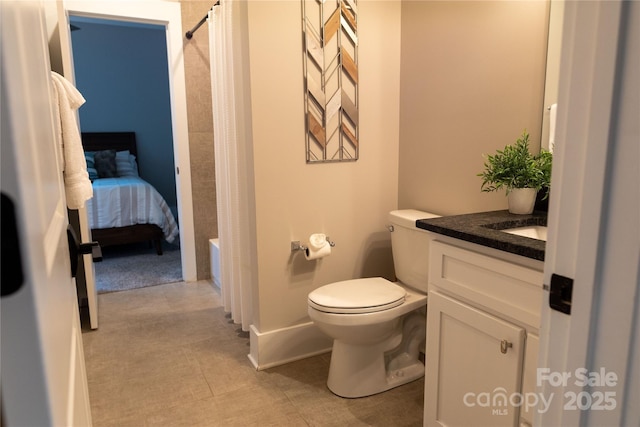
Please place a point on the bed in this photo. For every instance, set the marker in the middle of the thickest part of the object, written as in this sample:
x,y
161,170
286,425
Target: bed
x,y
124,209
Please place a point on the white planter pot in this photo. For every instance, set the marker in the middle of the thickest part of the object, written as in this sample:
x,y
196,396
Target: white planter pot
x,y
522,200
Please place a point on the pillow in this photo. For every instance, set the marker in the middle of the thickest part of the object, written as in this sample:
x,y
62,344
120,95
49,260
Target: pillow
x,y
91,166
105,162
124,164
134,164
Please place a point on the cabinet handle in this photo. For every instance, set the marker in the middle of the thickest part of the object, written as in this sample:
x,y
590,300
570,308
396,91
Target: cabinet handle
x,y
504,345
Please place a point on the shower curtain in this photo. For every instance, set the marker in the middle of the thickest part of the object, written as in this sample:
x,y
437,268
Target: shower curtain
x,y
231,160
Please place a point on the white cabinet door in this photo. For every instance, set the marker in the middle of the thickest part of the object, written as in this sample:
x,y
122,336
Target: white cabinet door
x,y
44,381
473,366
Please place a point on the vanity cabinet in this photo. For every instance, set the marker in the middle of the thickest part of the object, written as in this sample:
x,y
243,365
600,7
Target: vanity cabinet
x,y
483,321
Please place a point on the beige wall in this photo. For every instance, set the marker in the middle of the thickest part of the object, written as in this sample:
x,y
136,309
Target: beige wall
x,y
472,79
200,121
347,201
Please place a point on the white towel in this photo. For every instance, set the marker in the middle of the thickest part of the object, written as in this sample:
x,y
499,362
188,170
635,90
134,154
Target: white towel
x,y
67,99
553,113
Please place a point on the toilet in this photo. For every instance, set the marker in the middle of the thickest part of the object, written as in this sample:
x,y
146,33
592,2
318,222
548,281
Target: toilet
x,y
378,326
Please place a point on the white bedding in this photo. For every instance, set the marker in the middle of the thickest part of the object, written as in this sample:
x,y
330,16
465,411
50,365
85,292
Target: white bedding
x,y
124,201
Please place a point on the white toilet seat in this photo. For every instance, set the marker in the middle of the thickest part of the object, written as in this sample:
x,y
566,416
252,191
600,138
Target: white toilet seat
x,y
368,295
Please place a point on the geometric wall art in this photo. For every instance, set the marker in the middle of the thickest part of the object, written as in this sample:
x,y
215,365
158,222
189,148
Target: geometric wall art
x,y
330,39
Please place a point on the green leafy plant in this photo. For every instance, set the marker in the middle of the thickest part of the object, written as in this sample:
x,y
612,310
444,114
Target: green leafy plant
x,y
515,167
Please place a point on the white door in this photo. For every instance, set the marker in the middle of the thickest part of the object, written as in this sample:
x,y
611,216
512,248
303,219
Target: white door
x,y
590,338
66,60
43,375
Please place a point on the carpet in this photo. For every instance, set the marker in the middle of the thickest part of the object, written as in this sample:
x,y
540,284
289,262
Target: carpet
x,y
137,266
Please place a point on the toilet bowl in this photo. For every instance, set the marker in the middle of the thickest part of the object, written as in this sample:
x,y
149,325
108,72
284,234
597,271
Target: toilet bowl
x,y
363,361
378,326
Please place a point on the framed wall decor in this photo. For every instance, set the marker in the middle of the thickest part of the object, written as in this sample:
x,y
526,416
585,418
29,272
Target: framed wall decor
x,y
330,39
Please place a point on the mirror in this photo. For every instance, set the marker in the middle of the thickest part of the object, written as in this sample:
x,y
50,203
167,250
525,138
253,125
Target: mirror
x,y
554,43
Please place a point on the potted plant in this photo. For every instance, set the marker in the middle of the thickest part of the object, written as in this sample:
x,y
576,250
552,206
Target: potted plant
x,y
520,173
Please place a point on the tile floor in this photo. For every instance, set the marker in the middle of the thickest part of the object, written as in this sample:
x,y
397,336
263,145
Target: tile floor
x,y
168,356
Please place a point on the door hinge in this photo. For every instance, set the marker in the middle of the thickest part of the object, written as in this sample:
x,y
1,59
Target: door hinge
x,y
560,292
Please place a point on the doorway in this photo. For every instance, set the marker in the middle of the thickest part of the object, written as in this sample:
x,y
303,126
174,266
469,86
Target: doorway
x,y
168,16
121,69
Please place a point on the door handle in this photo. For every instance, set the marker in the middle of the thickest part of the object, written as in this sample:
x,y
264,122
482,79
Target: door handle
x,y
12,274
77,249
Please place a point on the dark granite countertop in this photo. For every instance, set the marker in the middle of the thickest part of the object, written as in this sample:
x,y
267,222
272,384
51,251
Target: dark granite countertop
x,y
484,229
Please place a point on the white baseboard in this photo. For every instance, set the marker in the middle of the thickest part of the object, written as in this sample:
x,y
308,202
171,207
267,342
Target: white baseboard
x,y
286,345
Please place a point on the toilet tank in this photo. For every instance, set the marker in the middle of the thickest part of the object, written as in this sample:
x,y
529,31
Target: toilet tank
x,y
410,246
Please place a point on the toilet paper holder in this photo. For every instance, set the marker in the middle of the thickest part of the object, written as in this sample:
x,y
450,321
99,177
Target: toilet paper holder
x,y
297,246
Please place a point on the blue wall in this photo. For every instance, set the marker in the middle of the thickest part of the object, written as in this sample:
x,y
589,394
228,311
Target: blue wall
x,y
121,70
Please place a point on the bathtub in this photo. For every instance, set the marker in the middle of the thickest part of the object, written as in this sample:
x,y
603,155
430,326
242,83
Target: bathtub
x,y
214,253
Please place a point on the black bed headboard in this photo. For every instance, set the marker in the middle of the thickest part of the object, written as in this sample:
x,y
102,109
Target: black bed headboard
x,y
119,141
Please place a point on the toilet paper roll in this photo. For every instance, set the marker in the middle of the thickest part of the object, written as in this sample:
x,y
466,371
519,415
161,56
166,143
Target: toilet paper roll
x,y
313,253
318,241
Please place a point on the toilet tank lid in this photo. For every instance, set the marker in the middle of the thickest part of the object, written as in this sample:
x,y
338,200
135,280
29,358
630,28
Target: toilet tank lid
x,y
408,217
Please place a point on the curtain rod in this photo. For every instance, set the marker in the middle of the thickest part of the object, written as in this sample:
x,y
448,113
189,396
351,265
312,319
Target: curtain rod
x,y
189,33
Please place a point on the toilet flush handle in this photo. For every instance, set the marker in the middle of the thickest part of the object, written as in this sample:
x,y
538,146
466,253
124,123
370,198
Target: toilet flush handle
x,y
390,228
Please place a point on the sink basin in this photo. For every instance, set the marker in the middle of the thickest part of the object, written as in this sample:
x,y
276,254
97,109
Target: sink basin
x,y
533,231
